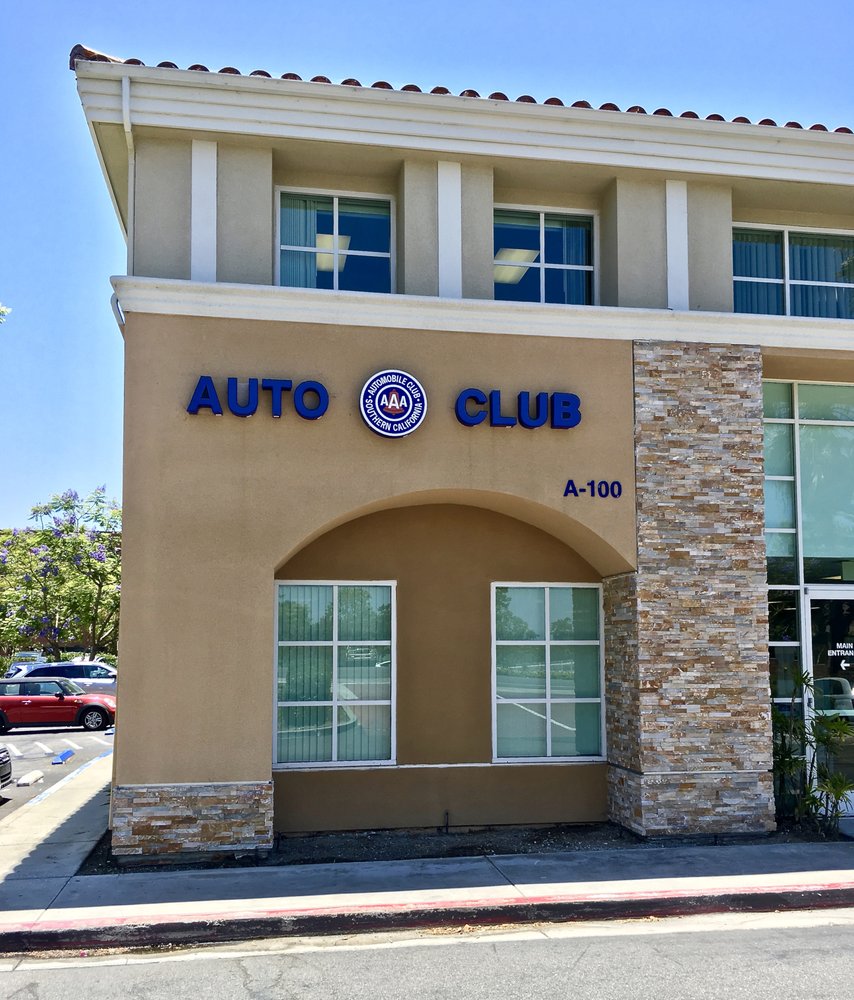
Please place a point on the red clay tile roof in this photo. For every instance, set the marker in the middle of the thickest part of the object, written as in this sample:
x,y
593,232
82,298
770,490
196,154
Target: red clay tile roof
x,y
82,54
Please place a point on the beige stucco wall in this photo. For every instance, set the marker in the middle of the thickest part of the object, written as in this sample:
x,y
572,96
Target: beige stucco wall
x,y
444,559
633,245
214,504
472,796
710,247
477,220
418,229
161,226
244,221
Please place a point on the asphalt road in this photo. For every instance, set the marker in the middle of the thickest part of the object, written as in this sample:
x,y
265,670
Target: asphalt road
x,y
795,956
33,749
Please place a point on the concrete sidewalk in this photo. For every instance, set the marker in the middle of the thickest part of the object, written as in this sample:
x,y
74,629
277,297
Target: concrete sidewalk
x,y
43,909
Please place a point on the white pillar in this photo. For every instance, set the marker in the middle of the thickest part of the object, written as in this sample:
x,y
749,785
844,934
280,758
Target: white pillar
x,y
203,212
676,207
450,202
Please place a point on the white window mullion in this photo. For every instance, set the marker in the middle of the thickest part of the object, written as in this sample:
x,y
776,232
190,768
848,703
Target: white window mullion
x,y
546,634
335,243
334,671
786,288
542,256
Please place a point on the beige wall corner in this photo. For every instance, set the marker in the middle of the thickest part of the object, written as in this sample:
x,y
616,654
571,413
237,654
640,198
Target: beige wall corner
x,y
417,229
245,215
710,247
477,232
161,228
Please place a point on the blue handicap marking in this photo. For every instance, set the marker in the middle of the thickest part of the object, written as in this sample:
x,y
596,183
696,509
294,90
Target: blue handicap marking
x,y
61,758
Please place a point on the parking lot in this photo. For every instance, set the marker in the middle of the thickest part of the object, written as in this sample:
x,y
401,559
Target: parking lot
x,y
35,747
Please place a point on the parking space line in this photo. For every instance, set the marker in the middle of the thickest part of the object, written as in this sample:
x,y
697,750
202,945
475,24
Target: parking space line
x,y
43,747
73,745
14,750
98,739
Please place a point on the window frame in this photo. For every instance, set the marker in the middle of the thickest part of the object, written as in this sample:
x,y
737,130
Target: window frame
x,y
334,765
786,281
542,266
335,194
799,587
549,701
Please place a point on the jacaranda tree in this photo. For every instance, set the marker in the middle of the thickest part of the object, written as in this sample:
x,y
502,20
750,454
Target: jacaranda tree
x,y
60,580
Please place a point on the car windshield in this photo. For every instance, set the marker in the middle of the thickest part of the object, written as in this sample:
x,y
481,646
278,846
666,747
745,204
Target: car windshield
x,y
69,687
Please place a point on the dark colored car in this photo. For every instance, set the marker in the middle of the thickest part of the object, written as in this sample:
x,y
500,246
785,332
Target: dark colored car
x,y
53,701
5,765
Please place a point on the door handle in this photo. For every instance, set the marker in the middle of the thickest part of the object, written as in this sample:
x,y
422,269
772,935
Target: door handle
x,y
27,702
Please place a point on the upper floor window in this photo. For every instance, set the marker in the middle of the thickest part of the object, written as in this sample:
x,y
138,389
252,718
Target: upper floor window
x,y
335,241
543,257
784,272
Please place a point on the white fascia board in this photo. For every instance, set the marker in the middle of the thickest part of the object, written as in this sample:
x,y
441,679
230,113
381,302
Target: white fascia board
x,y
454,126
368,310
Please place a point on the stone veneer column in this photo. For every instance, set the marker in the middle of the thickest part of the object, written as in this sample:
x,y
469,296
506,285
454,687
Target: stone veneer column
x,y
215,816
688,699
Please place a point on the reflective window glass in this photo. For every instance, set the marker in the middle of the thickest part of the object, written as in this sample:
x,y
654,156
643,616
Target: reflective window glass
x,y
548,690
826,402
757,253
820,257
759,298
783,615
568,240
364,225
827,489
332,242
777,399
542,257
779,450
565,287
574,613
520,613
335,676
520,671
779,504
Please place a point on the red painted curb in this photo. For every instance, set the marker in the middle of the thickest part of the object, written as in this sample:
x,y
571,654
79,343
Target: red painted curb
x,y
237,925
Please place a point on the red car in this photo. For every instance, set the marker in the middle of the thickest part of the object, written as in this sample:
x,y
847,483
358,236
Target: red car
x,y
53,701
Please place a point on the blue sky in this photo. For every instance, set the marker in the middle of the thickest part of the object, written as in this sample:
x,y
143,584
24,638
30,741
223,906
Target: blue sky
x,y
60,350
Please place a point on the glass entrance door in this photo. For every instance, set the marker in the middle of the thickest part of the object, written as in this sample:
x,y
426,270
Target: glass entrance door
x,y
831,655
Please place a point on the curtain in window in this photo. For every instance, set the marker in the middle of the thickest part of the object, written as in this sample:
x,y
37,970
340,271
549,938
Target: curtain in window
x,y
757,254
299,229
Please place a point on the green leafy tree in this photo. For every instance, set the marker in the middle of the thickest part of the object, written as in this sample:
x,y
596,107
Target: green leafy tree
x,y
4,312
60,580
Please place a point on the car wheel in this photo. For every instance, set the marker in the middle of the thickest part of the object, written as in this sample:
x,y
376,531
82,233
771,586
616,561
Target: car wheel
x,y
4,726
94,718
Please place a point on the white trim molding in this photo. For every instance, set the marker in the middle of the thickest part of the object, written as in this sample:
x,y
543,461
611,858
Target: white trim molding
x,y
449,195
676,211
459,126
203,211
173,297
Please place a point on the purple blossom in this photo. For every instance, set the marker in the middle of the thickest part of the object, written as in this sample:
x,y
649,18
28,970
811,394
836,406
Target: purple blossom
x,y
100,554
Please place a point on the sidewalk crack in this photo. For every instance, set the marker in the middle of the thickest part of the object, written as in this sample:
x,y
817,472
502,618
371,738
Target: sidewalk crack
x,y
508,880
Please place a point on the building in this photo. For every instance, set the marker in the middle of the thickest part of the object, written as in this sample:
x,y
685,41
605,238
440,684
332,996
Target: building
x,y
445,498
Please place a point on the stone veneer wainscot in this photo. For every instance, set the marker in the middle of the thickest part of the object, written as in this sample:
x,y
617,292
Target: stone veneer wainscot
x,y
167,819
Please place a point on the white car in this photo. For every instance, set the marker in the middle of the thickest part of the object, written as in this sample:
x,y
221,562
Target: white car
x,y
93,676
